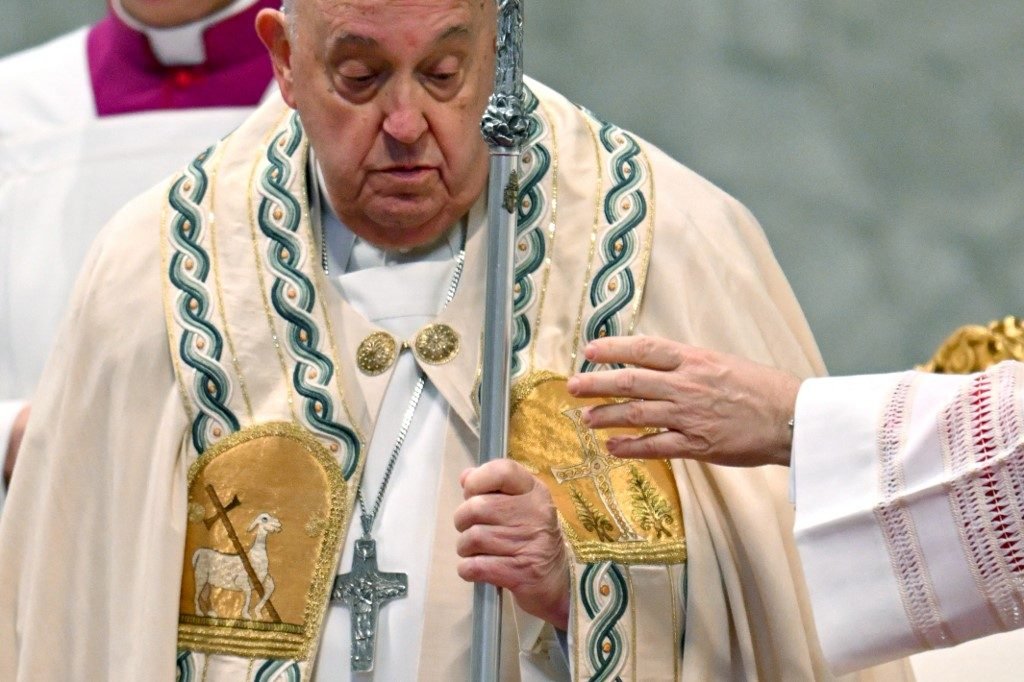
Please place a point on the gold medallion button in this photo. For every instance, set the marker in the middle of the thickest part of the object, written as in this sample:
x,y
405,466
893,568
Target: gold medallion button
x,y
376,353
437,344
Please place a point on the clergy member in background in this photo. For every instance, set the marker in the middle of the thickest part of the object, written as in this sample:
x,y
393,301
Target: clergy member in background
x,y
87,121
909,487
253,454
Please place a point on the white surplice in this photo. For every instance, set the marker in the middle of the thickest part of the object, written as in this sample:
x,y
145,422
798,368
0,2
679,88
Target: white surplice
x,y
909,510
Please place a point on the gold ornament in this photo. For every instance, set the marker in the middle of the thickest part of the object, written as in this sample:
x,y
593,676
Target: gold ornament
x,y
973,348
376,353
437,344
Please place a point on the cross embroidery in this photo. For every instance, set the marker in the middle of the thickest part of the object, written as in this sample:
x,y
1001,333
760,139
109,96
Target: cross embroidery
x,y
597,466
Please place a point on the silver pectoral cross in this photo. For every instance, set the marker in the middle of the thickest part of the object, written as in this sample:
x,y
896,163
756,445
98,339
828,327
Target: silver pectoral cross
x,y
364,590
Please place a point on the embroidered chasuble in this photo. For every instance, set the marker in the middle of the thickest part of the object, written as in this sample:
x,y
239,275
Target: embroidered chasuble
x,y
228,422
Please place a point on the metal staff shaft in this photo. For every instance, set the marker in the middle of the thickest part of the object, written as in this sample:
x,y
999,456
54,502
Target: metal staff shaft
x,y
504,127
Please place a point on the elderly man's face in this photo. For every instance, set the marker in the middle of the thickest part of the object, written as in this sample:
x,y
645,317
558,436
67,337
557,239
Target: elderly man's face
x,y
390,93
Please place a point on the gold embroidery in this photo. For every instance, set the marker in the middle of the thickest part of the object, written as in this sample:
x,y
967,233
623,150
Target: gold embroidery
x,y
611,509
574,581
598,194
650,509
437,344
674,605
271,480
196,512
376,353
316,526
645,263
633,653
257,257
592,519
215,266
552,227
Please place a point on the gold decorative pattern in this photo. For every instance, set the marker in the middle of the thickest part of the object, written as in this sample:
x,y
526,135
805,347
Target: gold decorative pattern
x,y
437,344
645,260
552,231
215,267
258,259
592,519
651,510
610,509
973,348
598,195
272,481
376,353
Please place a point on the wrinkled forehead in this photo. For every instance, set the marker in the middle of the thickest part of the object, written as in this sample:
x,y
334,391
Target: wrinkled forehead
x,y
340,14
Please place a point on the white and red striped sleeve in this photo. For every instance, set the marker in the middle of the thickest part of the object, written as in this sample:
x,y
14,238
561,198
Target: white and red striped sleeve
x,y
910,510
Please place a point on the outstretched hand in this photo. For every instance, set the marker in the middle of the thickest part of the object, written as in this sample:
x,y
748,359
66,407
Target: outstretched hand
x,y
709,406
509,536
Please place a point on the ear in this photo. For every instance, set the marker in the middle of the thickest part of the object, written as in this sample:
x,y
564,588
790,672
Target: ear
x,y
272,28
254,523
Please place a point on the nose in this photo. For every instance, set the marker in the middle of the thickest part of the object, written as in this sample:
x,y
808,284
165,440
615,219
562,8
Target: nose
x,y
404,119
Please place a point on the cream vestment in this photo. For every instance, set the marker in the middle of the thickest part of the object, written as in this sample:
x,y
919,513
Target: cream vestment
x,y
206,400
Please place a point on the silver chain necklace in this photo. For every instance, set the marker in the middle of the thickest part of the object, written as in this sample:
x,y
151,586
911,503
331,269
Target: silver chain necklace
x,y
365,588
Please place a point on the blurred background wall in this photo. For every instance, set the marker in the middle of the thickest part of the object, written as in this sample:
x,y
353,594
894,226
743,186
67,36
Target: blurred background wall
x,y
879,143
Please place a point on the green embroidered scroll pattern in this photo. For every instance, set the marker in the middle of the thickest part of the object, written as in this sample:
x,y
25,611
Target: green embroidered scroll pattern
x,y
605,597
531,246
293,295
625,209
200,345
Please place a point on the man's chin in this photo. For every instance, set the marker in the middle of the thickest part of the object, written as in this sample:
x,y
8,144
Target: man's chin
x,y
402,229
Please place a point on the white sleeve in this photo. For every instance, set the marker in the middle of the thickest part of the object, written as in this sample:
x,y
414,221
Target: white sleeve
x,y
9,410
909,507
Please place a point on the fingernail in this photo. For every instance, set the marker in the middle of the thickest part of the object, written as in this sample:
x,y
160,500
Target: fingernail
x,y
585,416
572,385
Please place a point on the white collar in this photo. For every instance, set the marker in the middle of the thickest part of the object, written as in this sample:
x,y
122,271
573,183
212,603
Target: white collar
x,y
180,45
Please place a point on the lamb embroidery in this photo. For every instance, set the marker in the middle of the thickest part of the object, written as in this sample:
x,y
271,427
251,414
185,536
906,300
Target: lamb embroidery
x,y
244,571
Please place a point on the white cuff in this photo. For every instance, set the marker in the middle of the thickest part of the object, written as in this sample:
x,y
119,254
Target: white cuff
x,y
846,564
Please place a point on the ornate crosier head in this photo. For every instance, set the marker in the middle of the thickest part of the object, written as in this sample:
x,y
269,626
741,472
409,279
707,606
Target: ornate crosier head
x,y
504,125
391,93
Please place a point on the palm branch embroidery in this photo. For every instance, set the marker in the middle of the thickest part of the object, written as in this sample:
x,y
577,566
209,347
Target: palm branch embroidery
x,y
651,510
592,519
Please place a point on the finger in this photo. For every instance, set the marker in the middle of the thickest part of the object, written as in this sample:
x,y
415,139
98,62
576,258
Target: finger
x,y
493,508
504,476
663,445
659,414
644,351
491,540
499,571
510,572
648,384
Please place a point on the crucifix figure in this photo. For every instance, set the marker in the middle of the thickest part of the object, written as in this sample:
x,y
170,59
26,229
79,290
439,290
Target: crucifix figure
x,y
597,466
364,590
